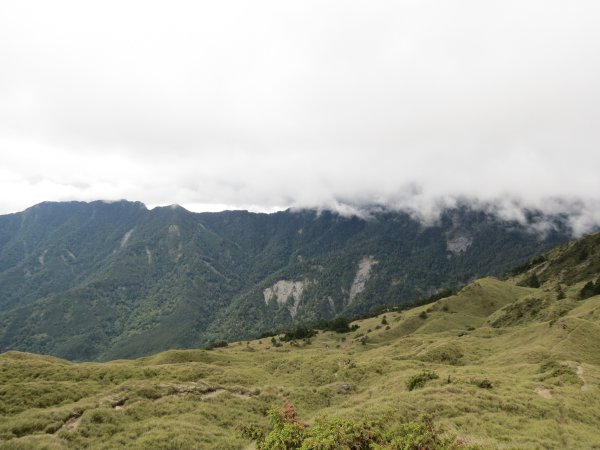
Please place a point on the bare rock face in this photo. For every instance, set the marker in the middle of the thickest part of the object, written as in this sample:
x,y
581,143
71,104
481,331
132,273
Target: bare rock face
x,y
362,276
458,244
126,238
174,229
284,290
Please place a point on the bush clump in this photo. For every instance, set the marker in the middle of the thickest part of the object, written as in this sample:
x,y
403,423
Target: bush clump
x,y
531,281
418,380
287,432
528,265
339,325
218,344
590,289
298,332
559,373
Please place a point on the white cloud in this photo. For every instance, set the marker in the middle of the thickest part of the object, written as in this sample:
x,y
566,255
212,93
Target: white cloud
x,y
271,104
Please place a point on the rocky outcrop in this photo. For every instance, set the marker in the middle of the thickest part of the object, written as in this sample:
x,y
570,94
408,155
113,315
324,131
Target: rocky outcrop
x,y
283,291
362,276
459,244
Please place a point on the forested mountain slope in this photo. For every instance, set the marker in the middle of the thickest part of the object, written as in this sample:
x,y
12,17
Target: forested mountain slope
x,y
106,280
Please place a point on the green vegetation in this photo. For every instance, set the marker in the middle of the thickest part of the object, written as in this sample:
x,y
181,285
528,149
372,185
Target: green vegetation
x,y
497,364
531,281
419,380
537,260
339,325
493,366
298,332
99,281
287,432
590,289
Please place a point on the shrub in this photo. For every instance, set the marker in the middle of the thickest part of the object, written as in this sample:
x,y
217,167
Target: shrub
x,y
298,332
558,372
287,432
531,281
267,334
590,289
218,344
339,325
419,380
528,265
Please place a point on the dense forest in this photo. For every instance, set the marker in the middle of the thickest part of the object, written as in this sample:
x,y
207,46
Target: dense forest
x,y
103,280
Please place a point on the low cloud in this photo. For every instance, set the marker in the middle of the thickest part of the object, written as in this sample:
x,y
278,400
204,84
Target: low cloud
x,y
267,105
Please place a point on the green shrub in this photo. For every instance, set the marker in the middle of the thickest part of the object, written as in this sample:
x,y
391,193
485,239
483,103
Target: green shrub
x,y
419,380
560,373
298,332
216,345
528,265
287,432
590,289
339,325
531,281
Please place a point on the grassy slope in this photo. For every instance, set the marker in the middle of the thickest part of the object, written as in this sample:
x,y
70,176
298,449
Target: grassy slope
x,y
542,361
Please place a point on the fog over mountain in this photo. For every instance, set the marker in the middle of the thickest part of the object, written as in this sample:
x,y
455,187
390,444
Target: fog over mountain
x,y
267,105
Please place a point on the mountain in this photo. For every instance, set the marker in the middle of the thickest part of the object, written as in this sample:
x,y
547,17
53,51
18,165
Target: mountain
x,y
499,364
103,280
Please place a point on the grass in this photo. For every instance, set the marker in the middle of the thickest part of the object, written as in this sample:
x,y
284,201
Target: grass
x,y
529,381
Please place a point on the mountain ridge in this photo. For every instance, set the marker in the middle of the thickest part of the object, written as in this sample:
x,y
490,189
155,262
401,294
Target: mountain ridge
x,y
116,279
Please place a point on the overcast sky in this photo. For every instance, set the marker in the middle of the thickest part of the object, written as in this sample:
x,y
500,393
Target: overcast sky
x,y
270,104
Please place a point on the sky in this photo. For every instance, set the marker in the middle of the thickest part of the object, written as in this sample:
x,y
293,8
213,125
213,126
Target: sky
x,y
265,105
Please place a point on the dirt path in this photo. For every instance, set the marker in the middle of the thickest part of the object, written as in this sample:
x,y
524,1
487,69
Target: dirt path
x,y
213,394
72,423
585,386
239,394
578,367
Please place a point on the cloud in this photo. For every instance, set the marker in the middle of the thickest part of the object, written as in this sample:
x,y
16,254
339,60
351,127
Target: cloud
x,y
266,104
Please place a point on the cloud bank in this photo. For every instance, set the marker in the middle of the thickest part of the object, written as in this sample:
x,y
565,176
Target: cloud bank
x,y
266,105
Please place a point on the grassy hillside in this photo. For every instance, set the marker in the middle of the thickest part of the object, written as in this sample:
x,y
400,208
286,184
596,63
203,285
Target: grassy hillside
x,y
99,281
497,365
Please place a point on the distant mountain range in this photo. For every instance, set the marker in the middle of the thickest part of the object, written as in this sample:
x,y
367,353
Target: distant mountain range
x,y
106,280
